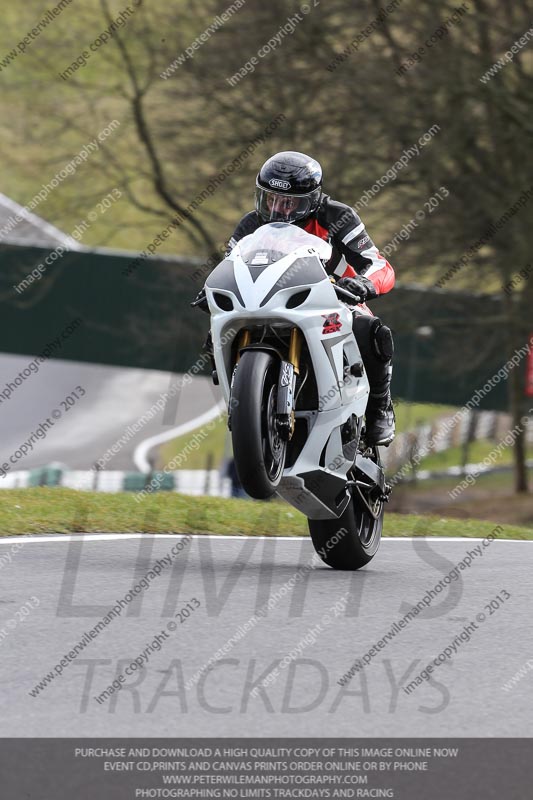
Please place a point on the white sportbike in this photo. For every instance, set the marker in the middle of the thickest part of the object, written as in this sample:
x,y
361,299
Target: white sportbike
x,y
296,390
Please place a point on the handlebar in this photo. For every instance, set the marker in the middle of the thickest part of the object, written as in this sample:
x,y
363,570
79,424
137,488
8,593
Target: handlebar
x,y
200,301
344,294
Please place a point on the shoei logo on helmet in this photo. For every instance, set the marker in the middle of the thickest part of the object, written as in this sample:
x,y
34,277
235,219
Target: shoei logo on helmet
x,y
278,184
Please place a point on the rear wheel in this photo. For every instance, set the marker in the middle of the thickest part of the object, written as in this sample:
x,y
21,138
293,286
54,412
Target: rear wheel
x,y
258,449
352,540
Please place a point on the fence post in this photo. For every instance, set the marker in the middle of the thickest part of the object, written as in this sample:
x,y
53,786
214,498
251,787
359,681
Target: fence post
x,y
208,467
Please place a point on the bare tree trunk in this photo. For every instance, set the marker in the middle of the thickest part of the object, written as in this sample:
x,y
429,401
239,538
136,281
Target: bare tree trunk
x,y
519,449
516,401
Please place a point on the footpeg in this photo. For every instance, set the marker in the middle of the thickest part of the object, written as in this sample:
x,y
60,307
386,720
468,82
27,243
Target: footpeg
x,y
385,495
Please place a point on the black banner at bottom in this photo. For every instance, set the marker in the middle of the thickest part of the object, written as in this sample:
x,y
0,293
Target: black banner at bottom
x,y
127,769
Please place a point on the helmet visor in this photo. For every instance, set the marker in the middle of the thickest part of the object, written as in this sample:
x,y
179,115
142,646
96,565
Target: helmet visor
x,y
276,207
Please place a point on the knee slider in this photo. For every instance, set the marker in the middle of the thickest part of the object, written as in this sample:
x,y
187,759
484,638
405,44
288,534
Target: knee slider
x,y
382,341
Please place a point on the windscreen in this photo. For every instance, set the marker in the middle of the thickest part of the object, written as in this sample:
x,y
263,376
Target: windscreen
x,y
271,242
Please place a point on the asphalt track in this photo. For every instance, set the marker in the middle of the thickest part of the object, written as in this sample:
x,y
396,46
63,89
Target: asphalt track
x,y
78,579
115,398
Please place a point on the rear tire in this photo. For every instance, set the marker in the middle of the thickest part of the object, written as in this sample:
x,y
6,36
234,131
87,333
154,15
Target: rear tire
x,y
352,540
257,447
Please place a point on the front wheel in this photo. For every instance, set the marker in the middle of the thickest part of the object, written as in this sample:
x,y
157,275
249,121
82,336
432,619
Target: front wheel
x,y
352,540
258,449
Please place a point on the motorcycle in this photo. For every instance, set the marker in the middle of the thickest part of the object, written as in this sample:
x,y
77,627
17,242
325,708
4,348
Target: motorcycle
x,y
296,390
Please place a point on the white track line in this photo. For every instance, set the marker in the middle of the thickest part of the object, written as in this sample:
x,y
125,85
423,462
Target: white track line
x,y
143,448
109,537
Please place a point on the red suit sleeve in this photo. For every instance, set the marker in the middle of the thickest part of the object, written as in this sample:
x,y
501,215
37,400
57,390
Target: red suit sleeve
x,y
380,272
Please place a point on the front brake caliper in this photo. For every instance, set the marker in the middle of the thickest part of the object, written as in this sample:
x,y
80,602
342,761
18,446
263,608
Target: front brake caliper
x,y
285,402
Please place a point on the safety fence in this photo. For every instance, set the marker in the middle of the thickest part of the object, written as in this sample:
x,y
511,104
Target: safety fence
x,y
446,432
186,481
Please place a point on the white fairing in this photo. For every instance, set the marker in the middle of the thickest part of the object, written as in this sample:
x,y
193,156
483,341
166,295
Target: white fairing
x,y
272,257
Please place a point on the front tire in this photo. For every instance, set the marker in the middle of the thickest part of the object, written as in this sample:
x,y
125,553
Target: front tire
x,y
352,540
258,450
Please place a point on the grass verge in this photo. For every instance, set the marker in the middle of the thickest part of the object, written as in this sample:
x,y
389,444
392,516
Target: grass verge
x,y
46,510
213,445
477,451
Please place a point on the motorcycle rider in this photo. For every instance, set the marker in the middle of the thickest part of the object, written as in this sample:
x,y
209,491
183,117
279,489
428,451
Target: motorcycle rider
x,y
289,189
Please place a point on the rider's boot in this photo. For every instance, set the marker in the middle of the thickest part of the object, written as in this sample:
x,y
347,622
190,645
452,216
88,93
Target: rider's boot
x,y
380,419
376,347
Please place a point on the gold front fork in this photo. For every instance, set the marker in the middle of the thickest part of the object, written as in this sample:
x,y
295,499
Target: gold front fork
x,y
295,349
244,342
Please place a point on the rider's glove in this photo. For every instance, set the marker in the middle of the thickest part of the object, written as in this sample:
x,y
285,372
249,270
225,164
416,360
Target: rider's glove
x,y
359,286
201,301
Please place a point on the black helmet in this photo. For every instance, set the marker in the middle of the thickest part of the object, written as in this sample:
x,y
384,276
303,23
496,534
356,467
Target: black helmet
x,y
288,187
